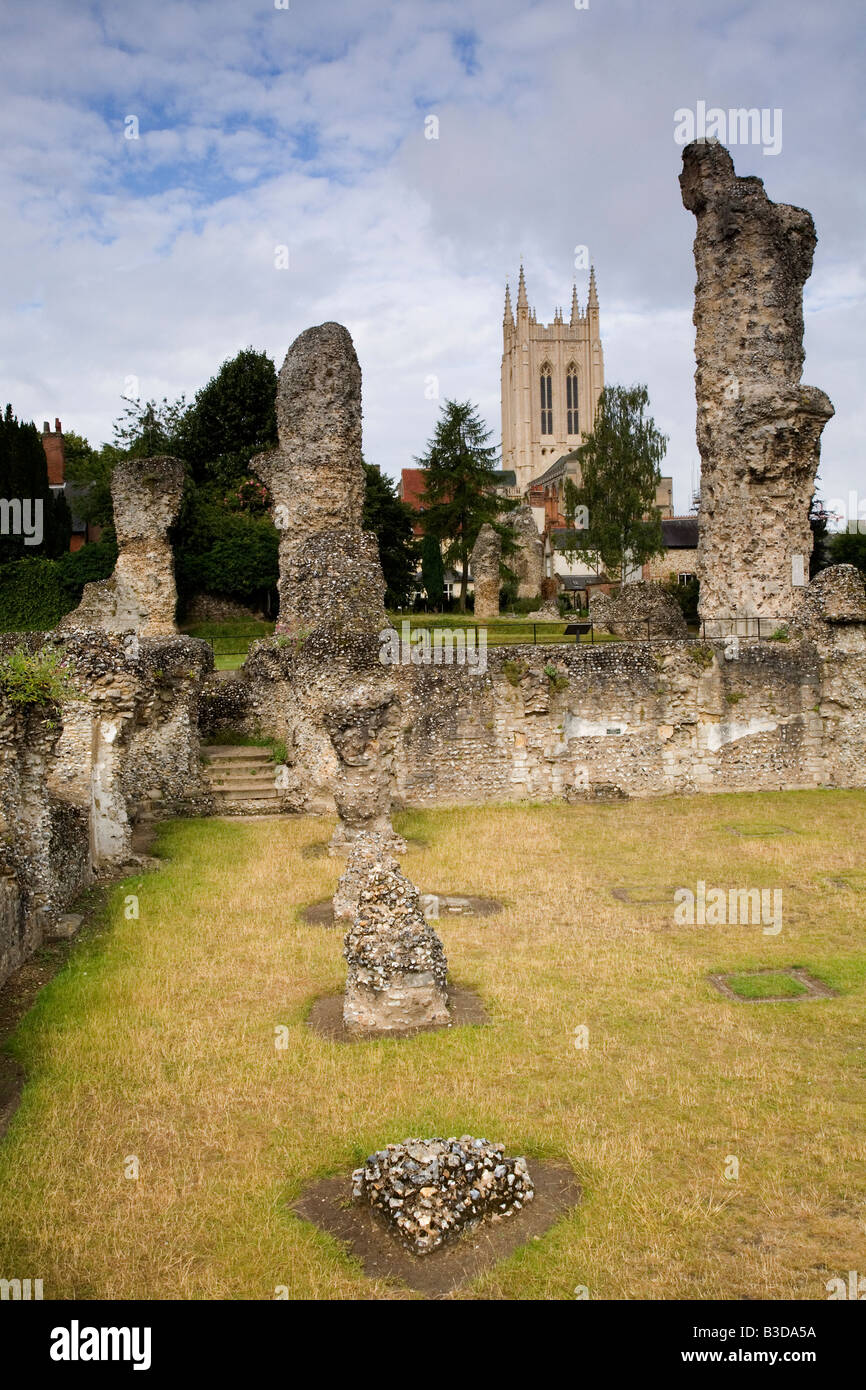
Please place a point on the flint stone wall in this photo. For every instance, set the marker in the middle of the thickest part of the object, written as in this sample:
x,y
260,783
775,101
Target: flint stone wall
x,y
74,783
630,718
639,610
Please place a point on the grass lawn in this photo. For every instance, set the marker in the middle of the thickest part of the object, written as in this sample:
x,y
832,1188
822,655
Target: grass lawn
x,y
231,640
158,1040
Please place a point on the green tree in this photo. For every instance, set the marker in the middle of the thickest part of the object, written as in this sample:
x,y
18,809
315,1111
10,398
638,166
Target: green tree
x,y
848,548
232,418
819,519
147,428
460,486
390,521
620,472
89,470
24,488
432,571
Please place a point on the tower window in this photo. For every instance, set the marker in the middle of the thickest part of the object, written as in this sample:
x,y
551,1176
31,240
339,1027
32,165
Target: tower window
x,y
546,400
571,400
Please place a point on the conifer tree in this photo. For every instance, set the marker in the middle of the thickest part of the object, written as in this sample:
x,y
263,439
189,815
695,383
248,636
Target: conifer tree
x,y
460,486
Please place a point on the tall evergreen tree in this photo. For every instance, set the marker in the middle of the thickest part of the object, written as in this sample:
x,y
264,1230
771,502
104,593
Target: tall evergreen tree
x,y
460,487
432,571
620,472
24,480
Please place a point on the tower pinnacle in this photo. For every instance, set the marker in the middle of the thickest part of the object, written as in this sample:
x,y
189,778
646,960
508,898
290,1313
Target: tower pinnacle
x,y
508,316
522,301
592,302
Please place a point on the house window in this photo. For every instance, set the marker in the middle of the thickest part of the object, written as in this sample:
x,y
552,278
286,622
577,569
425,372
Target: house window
x,y
685,578
546,400
571,399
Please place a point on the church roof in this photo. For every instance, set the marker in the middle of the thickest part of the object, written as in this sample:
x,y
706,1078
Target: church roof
x,y
555,470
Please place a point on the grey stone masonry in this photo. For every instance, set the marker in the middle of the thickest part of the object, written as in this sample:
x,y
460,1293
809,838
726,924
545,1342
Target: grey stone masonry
x,y
758,428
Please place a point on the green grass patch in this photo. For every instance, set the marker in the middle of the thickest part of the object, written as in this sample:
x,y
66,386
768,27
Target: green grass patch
x,y
158,1040
765,986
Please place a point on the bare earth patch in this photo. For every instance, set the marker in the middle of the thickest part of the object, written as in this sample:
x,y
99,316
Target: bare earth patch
x,y
328,1205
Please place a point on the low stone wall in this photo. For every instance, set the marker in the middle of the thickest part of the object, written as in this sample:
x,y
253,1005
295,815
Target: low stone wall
x,y
44,843
74,782
583,722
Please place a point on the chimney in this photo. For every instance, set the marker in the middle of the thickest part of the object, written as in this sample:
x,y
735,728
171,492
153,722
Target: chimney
x,y
57,425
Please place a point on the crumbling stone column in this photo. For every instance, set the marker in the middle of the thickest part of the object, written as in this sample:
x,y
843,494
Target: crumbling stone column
x,y
484,564
141,595
528,560
329,568
397,971
758,429
332,592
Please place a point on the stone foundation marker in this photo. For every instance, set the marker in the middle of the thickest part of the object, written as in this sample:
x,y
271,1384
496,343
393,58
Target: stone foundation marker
x,y
397,970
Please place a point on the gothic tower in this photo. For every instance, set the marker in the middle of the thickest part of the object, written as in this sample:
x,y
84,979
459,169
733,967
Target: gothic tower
x,y
552,377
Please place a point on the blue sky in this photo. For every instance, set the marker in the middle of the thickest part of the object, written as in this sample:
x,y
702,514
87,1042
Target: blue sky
x,y
305,127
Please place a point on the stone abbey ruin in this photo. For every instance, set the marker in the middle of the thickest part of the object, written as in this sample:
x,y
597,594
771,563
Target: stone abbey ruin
x,y
633,718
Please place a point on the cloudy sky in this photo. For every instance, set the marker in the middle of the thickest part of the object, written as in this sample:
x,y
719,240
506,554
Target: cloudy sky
x,y
304,127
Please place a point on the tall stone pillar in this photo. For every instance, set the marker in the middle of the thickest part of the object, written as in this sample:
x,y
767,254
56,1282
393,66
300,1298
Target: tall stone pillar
x,y
758,428
330,575
332,592
141,595
486,556
528,560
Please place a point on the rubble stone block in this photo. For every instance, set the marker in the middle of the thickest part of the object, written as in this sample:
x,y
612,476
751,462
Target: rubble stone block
x,y
397,969
430,1190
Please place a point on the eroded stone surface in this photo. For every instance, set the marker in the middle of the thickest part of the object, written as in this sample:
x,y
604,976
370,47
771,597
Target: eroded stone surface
x,y
641,610
397,970
429,1190
329,568
141,595
370,850
528,560
758,428
486,557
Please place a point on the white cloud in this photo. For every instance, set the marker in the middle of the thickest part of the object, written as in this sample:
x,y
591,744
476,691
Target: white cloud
x,y
305,127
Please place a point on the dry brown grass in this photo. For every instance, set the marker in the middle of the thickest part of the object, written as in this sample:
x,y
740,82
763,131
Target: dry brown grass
x,y
158,1041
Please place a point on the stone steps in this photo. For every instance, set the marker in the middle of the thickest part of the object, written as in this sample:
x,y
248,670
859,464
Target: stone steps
x,y
240,774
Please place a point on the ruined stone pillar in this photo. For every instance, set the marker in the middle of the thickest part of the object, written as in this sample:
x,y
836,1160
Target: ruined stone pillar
x,y
397,971
758,429
528,561
332,592
484,564
141,595
330,574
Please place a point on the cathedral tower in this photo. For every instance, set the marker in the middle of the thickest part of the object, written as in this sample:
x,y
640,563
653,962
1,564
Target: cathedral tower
x,y
552,377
